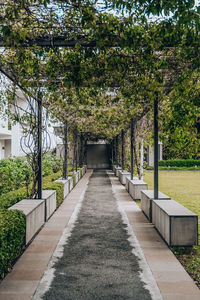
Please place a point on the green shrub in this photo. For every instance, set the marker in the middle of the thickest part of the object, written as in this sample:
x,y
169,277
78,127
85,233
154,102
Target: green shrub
x,y
9,199
51,164
14,173
12,234
50,184
180,163
52,177
81,171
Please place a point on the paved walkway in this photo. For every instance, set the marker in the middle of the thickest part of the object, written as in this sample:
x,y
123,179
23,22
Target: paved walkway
x,y
108,250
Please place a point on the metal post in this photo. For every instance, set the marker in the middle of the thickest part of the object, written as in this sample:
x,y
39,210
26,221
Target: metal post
x,y
76,151
156,147
141,158
111,150
117,151
39,144
122,139
132,138
65,163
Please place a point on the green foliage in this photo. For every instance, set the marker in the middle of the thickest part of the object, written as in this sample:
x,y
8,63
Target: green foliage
x,y
59,187
14,173
180,163
10,198
12,234
51,164
180,117
50,184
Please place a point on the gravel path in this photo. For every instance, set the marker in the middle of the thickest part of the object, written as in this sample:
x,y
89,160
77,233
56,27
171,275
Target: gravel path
x,y
97,261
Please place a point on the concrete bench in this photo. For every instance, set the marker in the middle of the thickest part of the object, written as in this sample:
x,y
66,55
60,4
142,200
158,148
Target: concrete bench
x,y
50,202
128,178
123,175
34,211
146,201
135,187
177,225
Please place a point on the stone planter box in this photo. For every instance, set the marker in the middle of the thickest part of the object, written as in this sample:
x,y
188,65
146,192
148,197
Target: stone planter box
x,y
76,177
113,168
49,197
117,171
177,225
83,170
146,201
135,187
34,211
123,175
66,184
70,183
128,178
79,174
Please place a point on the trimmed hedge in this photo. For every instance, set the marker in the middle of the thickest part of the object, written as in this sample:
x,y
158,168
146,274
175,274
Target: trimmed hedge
x,y
9,199
12,234
180,163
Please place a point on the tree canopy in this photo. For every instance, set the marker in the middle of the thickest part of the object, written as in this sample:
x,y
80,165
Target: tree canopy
x,y
101,63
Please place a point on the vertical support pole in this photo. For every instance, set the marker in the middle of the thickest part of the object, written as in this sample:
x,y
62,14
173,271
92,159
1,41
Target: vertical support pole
x,y
117,151
65,163
39,144
156,147
81,150
114,150
122,140
76,150
141,158
112,153
132,138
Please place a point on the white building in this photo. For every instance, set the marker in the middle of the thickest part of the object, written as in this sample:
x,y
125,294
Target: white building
x,y
11,133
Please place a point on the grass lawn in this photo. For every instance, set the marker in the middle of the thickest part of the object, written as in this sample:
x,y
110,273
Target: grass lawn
x,y
184,187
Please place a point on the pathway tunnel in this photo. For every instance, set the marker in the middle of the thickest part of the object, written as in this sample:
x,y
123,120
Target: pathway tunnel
x,y
98,156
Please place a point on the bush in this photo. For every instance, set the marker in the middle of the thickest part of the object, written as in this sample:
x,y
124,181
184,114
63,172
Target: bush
x,y
14,173
9,199
50,184
81,171
180,163
12,235
74,178
51,164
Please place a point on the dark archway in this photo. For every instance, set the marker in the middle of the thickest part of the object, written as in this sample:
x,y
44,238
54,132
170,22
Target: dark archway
x,y
98,156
